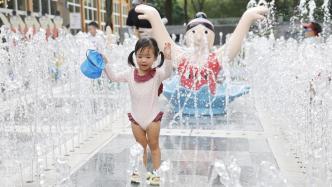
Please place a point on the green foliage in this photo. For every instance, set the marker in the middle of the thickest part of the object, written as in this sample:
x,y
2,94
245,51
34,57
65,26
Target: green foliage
x,y
225,8
219,8
288,8
178,16
177,10
233,8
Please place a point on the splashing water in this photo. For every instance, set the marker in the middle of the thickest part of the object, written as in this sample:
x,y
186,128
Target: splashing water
x,y
292,83
251,4
48,108
227,171
327,19
312,8
269,175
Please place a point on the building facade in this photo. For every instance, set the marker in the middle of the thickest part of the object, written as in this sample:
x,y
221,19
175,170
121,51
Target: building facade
x,y
104,12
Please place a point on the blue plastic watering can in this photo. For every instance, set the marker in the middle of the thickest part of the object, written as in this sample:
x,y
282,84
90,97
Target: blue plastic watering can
x,y
94,64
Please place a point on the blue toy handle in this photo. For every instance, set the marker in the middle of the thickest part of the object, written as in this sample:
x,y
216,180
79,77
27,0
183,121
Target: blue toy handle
x,y
87,56
92,61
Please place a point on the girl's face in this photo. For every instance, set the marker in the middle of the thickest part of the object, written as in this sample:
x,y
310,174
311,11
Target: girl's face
x,y
145,59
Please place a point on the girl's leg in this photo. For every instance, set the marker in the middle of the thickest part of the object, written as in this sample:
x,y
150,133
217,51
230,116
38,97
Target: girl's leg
x,y
153,131
140,136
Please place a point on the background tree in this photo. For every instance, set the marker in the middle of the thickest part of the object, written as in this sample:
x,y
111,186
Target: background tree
x,y
168,11
198,5
176,11
184,10
109,10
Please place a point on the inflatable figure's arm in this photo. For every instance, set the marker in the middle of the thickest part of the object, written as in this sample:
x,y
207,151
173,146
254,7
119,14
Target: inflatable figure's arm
x,y
115,77
58,23
4,20
22,24
36,23
50,23
159,31
166,70
233,46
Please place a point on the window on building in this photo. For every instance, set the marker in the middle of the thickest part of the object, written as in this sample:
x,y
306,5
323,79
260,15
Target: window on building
x,y
2,4
74,6
11,4
124,10
88,3
95,16
45,7
86,13
71,8
103,15
90,10
21,5
53,7
35,5
103,5
117,20
116,9
78,9
91,15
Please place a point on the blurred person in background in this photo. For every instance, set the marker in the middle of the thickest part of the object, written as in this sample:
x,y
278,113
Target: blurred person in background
x,y
96,37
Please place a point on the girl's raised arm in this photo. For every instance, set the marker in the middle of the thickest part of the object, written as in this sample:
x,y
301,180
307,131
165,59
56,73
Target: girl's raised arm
x,y
166,70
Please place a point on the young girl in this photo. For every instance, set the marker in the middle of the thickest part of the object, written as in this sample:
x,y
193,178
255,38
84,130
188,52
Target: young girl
x,y
145,85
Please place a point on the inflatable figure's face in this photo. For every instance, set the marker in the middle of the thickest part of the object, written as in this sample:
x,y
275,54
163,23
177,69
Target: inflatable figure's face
x,y
199,36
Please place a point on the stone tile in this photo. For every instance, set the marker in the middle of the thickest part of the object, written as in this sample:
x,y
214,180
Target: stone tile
x,y
259,145
257,158
248,176
191,158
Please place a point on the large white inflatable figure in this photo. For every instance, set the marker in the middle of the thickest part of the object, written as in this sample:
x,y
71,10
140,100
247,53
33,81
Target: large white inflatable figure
x,y
16,22
32,25
58,23
195,89
46,24
4,20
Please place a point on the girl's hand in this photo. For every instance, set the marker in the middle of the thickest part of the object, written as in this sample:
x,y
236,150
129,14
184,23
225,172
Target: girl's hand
x,y
167,51
105,58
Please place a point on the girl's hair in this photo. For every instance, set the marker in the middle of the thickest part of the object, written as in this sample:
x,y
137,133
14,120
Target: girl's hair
x,y
143,43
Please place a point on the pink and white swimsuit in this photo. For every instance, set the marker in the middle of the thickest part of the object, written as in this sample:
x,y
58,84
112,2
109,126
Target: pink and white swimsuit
x,y
193,77
143,92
